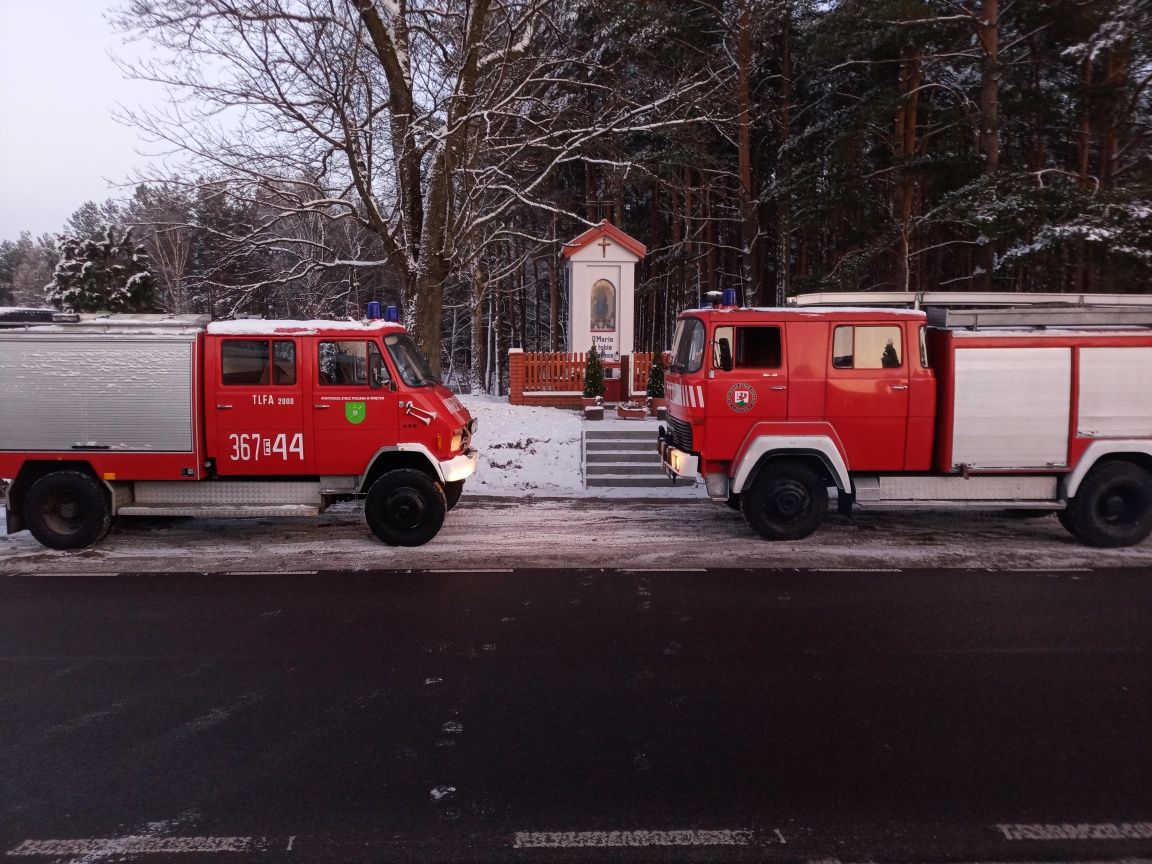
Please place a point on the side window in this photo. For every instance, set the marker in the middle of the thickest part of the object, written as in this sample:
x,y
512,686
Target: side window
x,y
758,348
244,362
343,363
718,335
283,362
924,364
867,347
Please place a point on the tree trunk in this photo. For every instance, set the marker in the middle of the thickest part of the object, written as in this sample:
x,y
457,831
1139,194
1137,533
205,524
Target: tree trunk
x,y
989,35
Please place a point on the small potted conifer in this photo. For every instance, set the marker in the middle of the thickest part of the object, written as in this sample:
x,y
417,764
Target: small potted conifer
x,y
657,404
593,399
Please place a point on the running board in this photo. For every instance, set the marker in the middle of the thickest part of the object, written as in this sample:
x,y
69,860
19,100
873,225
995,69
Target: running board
x,y
221,510
965,504
1028,491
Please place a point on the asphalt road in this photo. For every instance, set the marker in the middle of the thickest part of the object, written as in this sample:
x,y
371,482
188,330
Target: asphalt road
x,y
577,716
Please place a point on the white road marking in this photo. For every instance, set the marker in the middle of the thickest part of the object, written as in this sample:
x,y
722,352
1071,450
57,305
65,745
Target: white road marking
x,y
605,839
133,846
291,840
473,570
857,570
1078,831
663,570
1047,570
271,572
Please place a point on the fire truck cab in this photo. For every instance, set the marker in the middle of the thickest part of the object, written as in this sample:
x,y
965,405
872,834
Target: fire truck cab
x,y
903,408
112,416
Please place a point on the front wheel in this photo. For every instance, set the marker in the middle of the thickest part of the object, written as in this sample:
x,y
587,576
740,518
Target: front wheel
x,y
1112,507
67,510
405,507
787,501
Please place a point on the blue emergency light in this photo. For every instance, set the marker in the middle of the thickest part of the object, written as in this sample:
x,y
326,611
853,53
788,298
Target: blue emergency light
x,y
391,314
729,296
373,310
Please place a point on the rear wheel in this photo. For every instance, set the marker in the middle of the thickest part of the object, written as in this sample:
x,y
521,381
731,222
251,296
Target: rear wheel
x,y
786,502
1112,507
67,510
452,492
405,507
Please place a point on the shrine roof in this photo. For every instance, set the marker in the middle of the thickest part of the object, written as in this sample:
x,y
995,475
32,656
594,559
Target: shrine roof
x,y
605,229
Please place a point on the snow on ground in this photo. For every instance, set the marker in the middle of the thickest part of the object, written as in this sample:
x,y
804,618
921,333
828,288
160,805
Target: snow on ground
x,y
532,452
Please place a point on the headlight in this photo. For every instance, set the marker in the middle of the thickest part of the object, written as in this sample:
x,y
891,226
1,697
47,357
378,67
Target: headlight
x,y
457,440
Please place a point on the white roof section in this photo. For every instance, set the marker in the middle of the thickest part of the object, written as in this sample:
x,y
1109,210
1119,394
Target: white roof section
x,y
815,312
258,327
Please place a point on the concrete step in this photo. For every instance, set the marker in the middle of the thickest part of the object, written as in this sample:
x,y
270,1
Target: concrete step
x,y
635,482
652,458
622,444
619,470
621,435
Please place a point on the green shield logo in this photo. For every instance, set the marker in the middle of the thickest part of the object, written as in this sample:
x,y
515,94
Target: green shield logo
x,y
355,412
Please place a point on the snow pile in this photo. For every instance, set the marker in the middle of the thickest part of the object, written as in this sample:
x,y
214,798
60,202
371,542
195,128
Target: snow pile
x,y
525,450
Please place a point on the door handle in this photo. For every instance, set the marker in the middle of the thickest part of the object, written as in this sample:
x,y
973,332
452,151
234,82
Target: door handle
x,y
321,407
223,407
899,386
778,387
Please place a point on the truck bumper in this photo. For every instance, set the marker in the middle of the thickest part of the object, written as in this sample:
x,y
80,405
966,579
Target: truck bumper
x,y
459,468
678,463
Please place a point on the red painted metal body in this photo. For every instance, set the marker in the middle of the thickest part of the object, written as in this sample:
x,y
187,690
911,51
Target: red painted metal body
x,y
885,418
292,422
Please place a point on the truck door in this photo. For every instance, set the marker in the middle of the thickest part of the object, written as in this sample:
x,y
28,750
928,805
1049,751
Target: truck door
x,y
258,408
868,394
755,388
354,404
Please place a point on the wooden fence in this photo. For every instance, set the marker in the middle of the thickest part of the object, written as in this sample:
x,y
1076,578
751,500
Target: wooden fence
x,y
641,363
554,373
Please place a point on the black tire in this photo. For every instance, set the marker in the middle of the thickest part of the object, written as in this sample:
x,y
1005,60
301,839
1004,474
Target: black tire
x,y
452,492
405,507
734,501
67,510
787,501
1112,507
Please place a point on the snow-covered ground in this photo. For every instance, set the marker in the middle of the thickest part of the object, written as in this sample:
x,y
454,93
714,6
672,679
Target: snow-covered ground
x,y
527,507
531,452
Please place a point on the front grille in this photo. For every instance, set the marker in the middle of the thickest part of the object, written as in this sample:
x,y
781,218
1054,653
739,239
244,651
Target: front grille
x,y
681,433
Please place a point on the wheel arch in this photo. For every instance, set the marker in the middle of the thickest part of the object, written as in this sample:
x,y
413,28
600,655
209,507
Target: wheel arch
x,y
29,473
819,451
1137,452
414,456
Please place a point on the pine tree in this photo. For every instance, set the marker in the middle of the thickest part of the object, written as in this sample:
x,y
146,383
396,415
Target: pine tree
x,y
656,379
109,275
593,375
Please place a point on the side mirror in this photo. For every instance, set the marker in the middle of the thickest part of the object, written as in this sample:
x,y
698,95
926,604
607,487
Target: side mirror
x,y
725,355
665,359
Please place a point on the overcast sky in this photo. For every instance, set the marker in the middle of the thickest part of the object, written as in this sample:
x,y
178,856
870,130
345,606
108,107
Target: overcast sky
x,y
59,145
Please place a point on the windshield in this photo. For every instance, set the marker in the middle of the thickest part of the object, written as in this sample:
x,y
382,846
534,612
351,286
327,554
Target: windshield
x,y
410,363
687,346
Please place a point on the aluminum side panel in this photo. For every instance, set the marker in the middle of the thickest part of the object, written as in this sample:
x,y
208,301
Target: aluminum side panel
x,y
1115,396
119,394
1012,407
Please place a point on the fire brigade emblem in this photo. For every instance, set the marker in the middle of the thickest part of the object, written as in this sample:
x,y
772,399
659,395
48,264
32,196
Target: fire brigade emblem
x,y
355,412
741,397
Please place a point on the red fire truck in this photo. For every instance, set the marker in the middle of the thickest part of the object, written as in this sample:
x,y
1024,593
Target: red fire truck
x,y
1044,410
110,416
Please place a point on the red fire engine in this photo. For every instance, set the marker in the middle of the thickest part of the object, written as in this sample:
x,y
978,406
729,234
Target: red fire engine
x,y
1044,410
109,416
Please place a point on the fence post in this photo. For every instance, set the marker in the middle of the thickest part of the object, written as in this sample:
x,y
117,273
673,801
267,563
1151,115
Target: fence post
x,y
516,376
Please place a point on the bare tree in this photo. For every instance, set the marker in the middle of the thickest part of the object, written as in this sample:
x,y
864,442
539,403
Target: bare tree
x,y
423,123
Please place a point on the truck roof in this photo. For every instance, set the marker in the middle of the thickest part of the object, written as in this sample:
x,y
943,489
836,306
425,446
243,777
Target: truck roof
x,y
181,325
850,313
260,327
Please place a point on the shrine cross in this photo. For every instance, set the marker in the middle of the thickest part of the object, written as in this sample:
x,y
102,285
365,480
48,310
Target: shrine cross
x,y
604,244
